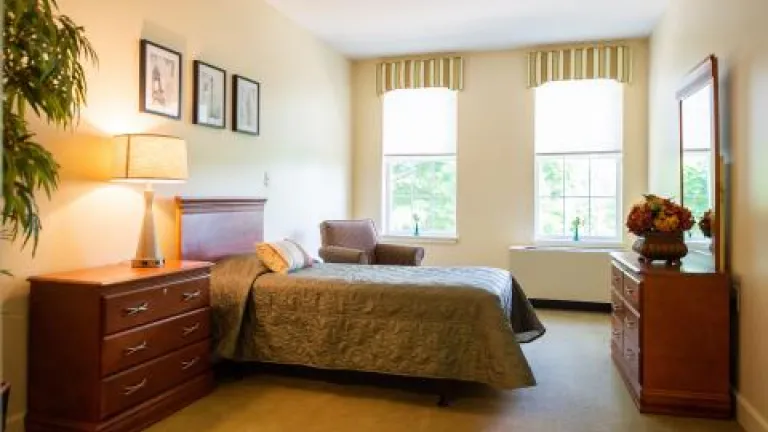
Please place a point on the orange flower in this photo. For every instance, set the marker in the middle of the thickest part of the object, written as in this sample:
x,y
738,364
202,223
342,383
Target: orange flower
x,y
657,214
705,224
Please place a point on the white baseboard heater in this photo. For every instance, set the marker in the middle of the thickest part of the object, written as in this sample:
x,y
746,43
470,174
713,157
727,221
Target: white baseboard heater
x,y
563,275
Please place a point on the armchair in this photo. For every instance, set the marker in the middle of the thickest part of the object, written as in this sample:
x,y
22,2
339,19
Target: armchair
x,y
356,242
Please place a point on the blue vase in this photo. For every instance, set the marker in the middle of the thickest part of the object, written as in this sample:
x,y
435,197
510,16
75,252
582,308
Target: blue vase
x,y
416,230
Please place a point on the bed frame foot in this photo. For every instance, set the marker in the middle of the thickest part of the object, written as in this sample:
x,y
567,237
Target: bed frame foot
x,y
443,401
230,370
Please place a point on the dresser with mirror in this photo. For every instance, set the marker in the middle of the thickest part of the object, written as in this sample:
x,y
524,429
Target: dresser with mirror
x,y
670,337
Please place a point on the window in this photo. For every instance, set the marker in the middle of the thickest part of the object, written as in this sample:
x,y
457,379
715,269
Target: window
x,y
697,192
578,140
697,157
419,147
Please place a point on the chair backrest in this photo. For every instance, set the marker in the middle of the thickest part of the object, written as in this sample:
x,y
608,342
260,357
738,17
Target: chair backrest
x,y
357,234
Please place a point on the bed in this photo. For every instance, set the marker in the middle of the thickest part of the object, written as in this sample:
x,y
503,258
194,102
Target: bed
x,y
447,323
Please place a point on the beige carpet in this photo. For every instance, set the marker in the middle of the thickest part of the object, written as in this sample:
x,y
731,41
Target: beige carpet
x,y
578,390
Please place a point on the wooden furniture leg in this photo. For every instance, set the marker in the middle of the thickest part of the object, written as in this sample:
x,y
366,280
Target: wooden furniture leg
x,y
445,394
5,396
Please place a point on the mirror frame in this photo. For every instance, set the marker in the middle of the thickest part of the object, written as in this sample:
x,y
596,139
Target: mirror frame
x,y
701,76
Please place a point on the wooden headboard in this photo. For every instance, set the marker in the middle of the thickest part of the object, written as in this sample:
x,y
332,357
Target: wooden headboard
x,y
208,229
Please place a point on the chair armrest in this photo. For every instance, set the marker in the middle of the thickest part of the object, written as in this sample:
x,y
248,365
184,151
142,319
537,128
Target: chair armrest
x,y
342,255
390,254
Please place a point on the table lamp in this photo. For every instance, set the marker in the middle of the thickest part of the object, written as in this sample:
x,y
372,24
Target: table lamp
x,y
145,158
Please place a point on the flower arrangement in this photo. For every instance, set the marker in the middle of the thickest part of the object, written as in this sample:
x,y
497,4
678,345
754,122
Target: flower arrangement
x,y
705,224
657,214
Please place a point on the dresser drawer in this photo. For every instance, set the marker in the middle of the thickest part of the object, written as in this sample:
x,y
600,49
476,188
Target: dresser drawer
x,y
617,278
617,323
631,346
631,290
135,385
123,350
134,308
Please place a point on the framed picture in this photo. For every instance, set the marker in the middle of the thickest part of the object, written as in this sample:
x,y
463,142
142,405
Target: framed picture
x,y
210,95
159,80
245,105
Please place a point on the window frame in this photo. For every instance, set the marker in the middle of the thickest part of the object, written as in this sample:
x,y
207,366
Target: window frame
x,y
689,237
584,240
386,200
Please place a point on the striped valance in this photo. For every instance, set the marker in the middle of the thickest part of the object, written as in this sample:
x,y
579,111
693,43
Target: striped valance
x,y
612,62
445,72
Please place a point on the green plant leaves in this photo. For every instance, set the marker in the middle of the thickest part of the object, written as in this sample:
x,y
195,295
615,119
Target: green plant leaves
x,y
27,167
42,70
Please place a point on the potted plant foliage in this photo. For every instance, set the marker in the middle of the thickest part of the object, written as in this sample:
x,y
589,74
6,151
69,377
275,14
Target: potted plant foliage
x,y
42,72
659,224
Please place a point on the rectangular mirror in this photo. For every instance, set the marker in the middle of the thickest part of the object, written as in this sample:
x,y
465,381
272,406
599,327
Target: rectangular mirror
x,y
700,160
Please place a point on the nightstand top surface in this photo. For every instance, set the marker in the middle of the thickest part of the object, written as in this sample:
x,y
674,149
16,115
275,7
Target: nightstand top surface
x,y
119,273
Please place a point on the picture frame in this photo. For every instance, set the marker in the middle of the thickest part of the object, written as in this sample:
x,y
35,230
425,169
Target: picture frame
x,y
160,80
246,105
210,95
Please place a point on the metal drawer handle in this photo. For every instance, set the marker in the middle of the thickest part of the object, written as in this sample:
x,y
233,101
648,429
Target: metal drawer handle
x,y
186,331
616,333
629,290
133,350
129,390
630,323
188,364
137,309
187,296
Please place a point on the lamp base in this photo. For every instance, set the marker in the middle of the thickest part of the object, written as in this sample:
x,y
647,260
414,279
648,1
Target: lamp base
x,y
148,253
148,262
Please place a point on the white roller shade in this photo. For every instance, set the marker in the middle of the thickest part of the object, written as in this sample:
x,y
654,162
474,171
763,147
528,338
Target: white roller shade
x,y
579,116
419,122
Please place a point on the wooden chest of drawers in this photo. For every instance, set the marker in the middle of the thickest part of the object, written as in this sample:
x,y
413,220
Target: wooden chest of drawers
x,y
116,349
670,336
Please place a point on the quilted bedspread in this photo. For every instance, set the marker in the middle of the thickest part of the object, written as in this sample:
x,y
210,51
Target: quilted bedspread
x,y
461,323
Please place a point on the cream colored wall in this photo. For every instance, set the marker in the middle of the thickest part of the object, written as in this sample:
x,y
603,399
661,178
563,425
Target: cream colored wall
x,y
495,153
304,145
736,32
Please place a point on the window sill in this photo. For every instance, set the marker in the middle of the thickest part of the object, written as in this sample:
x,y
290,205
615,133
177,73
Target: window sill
x,y
704,252
698,241
699,246
420,239
572,246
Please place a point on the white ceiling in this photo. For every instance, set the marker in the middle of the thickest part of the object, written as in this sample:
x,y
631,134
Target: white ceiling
x,y
372,28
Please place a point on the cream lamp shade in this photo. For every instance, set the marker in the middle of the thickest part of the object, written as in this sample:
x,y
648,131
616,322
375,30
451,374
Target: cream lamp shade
x,y
149,158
